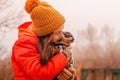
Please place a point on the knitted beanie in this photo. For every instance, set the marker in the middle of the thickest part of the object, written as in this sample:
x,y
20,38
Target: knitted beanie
x,y
44,17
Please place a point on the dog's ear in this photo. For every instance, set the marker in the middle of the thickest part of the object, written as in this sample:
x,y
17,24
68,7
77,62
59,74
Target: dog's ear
x,y
66,40
69,35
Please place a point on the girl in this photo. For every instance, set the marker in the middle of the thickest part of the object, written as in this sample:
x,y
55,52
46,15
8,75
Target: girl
x,y
25,52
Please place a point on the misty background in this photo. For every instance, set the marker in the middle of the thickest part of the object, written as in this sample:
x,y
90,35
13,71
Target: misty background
x,y
78,14
95,25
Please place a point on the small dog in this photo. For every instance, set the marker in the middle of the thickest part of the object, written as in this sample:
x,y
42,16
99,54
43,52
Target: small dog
x,y
63,46
64,42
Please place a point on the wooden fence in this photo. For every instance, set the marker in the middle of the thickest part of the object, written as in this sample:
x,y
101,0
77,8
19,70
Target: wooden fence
x,y
100,74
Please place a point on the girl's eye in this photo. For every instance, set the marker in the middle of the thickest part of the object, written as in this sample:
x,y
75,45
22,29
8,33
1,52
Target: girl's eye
x,y
58,32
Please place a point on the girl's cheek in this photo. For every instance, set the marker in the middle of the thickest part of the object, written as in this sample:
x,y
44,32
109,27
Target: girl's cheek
x,y
54,38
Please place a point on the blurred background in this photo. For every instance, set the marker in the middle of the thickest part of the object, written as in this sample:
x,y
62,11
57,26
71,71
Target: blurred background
x,y
95,25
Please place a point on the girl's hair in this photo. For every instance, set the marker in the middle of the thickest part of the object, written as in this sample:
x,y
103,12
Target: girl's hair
x,y
46,49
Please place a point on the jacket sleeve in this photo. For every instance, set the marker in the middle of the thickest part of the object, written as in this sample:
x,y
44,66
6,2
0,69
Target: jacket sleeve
x,y
28,57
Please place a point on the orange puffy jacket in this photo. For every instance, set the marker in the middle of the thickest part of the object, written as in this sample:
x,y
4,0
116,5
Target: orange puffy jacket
x,y
25,58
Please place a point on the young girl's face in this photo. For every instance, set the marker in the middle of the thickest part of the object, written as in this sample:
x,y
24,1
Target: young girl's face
x,y
57,34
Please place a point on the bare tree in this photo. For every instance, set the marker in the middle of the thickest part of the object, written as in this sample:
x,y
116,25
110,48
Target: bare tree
x,y
107,33
9,18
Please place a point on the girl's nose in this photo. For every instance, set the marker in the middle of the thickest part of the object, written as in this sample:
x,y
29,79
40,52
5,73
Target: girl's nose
x,y
62,35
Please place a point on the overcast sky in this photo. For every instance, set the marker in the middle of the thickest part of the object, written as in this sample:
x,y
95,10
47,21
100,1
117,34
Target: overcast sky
x,y
79,13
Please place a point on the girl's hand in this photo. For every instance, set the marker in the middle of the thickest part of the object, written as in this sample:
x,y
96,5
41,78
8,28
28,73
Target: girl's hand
x,y
65,75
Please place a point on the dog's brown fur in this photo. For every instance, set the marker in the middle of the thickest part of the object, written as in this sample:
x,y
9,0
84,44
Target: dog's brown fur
x,y
65,41
64,46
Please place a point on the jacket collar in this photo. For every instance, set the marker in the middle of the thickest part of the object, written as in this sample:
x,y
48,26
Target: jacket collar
x,y
26,29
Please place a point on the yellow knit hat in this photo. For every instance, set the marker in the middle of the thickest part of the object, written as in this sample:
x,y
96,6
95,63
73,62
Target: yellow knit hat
x,y
44,17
